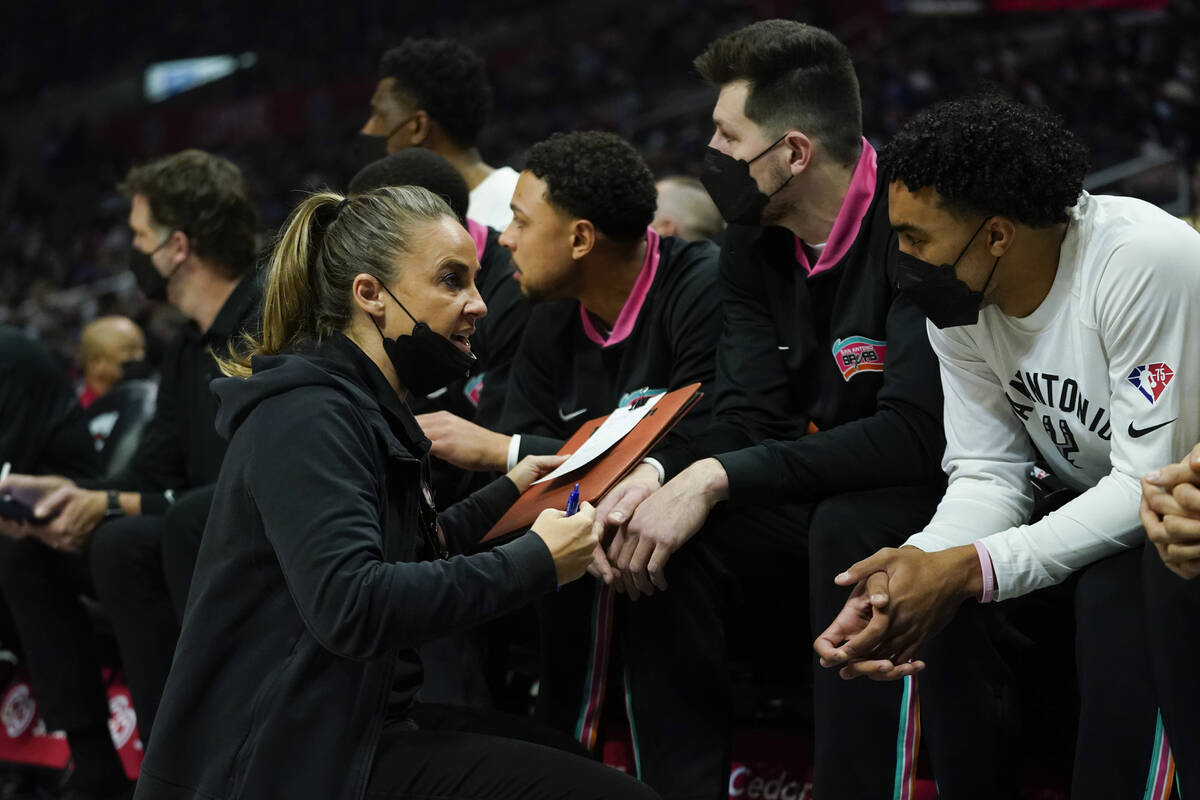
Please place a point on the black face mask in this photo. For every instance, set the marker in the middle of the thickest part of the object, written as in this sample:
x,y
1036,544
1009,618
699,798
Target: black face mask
x,y
369,148
152,282
732,187
937,290
138,369
424,360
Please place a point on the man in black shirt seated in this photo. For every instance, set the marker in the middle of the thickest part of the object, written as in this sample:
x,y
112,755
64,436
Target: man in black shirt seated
x,y
826,430
193,245
627,314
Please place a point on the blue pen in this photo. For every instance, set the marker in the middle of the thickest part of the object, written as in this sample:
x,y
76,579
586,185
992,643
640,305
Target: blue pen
x,y
572,510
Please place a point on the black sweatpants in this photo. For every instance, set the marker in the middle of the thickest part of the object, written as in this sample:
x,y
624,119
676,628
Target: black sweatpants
x,y
768,562
867,734
42,587
1172,608
457,754
125,557
973,669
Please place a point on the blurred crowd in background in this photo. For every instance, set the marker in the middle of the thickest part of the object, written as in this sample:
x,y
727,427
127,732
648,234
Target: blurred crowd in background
x,y
1127,80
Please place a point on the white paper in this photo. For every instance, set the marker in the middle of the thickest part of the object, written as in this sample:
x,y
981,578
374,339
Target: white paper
x,y
614,429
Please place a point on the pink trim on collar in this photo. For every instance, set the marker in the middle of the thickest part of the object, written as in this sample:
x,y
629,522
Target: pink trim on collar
x,y
850,215
633,304
479,233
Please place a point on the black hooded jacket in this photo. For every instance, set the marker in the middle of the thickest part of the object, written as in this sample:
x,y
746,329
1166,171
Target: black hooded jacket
x,y
318,576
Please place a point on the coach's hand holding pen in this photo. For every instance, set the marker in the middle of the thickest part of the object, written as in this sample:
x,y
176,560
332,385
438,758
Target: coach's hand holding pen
x,y
571,539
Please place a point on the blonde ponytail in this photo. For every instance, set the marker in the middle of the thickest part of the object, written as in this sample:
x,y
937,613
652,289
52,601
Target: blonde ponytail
x,y
326,242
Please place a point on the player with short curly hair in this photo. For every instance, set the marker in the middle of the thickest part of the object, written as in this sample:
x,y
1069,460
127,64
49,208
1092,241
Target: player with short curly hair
x,y
981,155
1061,321
435,93
629,315
598,176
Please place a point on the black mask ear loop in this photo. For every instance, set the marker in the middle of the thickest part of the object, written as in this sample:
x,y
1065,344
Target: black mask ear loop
x,y
763,153
995,263
402,308
770,147
970,241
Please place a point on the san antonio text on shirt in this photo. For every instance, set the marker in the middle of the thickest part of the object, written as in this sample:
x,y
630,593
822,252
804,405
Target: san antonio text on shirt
x,y
1058,394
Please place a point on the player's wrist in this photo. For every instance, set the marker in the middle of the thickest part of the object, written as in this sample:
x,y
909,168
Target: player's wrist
x,y
968,571
711,480
496,453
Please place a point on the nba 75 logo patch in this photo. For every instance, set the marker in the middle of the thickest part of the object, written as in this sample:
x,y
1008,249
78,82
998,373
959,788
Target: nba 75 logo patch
x,y
1151,379
859,354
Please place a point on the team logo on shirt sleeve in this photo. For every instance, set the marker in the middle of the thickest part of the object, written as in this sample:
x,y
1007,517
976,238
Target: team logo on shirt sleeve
x,y
859,354
1151,379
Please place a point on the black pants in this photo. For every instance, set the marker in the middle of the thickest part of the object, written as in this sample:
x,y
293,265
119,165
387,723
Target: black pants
x,y
125,557
465,755
1116,754
867,734
772,562
42,588
995,670
185,522
1172,607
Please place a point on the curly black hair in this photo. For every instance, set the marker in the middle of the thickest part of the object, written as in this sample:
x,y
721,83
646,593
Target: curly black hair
x,y
599,177
444,78
988,154
416,166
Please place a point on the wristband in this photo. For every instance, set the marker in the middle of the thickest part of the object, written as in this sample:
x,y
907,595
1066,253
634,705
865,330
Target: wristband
x,y
988,595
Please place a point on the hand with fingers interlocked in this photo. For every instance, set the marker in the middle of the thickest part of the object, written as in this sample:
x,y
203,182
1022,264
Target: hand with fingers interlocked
x,y
901,598
1170,512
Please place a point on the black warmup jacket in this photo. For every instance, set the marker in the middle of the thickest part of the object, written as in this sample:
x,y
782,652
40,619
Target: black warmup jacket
x,y
317,577
561,378
840,349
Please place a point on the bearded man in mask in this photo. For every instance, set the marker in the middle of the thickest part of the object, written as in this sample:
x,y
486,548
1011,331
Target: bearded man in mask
x,y
194,240
826,429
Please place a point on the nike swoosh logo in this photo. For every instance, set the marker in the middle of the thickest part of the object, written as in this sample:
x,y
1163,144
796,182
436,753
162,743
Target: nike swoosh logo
x,y
783,347
568,417
1137,433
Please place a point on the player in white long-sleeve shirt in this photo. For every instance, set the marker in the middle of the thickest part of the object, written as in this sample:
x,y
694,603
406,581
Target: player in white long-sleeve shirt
x,y
1081,356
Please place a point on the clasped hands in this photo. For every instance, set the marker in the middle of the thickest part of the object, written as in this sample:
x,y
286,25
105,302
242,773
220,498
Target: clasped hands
x,y
901,597
1170,512
645,524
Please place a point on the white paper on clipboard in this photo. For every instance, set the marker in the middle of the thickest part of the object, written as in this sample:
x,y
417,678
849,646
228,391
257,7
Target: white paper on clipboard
x,y
614,429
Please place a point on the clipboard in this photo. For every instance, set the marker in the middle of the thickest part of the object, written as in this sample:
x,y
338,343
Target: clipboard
x,y
606,471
